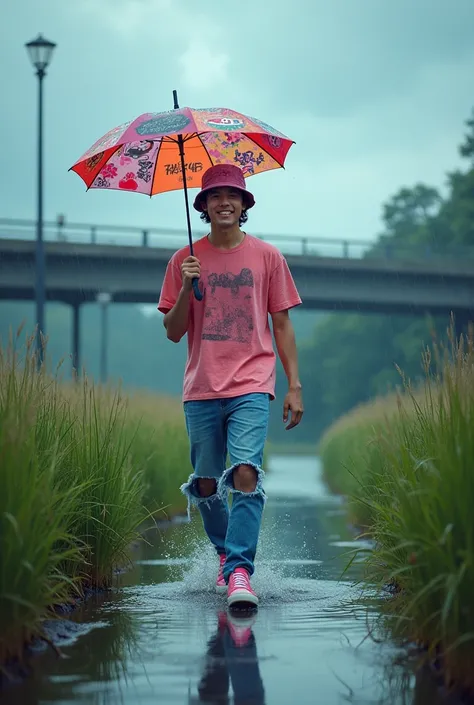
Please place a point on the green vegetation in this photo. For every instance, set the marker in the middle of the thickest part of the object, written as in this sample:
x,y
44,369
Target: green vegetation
x,y
406,462
81,468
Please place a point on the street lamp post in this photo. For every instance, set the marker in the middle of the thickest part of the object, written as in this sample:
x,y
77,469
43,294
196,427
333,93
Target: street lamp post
x,y
40,51
103,298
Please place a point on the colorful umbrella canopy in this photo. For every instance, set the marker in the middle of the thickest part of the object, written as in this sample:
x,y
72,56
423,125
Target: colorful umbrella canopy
x,y
150,153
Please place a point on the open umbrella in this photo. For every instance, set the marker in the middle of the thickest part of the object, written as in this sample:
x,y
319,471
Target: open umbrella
x,y
159,152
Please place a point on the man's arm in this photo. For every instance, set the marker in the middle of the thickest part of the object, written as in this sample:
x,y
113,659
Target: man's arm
x,y
176,321
284,335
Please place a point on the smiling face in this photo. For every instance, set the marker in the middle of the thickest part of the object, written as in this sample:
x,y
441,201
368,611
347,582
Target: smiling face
x,y
224,206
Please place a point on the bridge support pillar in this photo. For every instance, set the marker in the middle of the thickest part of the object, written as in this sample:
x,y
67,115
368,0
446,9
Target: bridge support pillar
x,y
462,320
76,338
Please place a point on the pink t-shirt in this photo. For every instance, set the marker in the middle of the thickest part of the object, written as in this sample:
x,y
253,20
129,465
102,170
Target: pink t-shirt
x,y
230,345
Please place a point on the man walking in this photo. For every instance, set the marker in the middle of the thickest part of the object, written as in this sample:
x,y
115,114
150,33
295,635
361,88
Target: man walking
x,y
229,378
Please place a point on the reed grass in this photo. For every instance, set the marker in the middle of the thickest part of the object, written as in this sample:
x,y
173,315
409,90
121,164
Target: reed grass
x,y
407,465
161,442
81,468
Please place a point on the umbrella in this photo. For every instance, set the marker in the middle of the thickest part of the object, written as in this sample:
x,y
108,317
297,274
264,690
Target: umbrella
x,y
160,152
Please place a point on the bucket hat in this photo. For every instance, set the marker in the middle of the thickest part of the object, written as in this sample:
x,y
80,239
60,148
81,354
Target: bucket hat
x,y
221,175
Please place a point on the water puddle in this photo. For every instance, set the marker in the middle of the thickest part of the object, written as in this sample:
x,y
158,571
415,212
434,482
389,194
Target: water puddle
x,y
164,636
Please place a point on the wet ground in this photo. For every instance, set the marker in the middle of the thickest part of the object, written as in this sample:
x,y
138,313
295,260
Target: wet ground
x,y
163,636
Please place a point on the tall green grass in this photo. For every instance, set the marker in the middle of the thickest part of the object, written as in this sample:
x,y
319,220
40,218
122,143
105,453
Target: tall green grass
x,y
80,470
407,464
160,442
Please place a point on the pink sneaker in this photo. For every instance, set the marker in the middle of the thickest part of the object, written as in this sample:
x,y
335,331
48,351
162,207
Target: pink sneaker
x,y
221,586
239,590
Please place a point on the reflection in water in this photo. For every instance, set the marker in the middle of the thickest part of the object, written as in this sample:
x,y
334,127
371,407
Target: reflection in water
x,y
165,637
231,659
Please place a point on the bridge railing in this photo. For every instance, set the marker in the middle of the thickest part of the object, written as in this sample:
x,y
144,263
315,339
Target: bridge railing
x,y
170,238
124,235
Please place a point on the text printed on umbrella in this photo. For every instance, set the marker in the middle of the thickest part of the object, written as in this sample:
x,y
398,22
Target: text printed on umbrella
x,y
173,169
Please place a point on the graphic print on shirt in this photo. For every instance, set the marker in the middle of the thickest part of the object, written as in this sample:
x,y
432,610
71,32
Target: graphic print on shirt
x,y
228,312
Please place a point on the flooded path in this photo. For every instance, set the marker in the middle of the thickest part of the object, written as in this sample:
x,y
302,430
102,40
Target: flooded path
x,y
165,637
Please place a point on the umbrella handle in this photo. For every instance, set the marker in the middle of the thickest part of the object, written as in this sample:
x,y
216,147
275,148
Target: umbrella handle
x,y
197,291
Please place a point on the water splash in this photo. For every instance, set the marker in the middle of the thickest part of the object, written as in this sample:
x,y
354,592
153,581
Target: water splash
x,y
192,569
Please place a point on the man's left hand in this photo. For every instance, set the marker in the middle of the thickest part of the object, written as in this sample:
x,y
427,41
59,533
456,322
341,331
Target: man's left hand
x,y
293,403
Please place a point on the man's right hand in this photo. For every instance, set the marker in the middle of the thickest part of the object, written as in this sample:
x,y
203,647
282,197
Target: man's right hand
x,y
190,269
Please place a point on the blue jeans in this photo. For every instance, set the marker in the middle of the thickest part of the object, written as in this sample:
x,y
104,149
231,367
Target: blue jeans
x,y
237,427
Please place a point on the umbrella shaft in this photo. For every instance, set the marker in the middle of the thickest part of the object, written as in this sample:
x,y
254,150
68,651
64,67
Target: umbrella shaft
x,y
186,200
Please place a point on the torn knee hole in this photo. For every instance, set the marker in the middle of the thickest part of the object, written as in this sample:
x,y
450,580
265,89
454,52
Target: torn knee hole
x,y
198,494
236,477
245,478
206,486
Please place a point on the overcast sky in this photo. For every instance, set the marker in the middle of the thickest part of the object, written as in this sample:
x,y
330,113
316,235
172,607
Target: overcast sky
x,y
374,92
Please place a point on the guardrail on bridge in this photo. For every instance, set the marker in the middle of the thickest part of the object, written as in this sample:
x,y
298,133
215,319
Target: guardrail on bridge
x,y
124,235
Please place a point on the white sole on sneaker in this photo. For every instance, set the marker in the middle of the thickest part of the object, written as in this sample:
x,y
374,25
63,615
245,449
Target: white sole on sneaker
x,y
221,589
242,597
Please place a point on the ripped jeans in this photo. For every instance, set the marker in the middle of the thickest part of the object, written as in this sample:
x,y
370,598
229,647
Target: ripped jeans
x,y
238,427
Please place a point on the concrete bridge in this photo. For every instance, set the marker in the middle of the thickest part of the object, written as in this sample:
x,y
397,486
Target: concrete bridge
x,y
409,282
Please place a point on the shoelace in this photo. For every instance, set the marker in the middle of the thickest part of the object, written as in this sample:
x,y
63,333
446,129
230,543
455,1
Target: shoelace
x,y
240,581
